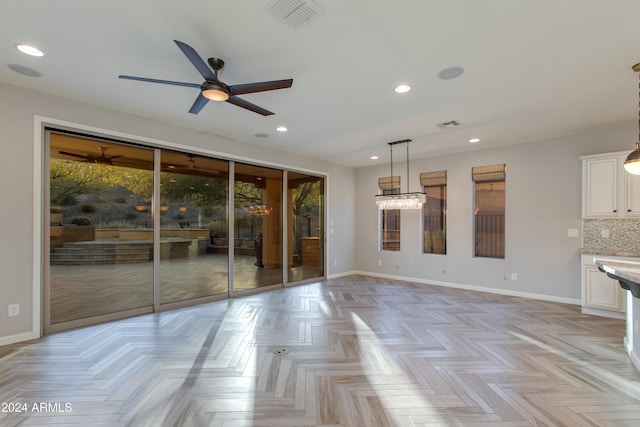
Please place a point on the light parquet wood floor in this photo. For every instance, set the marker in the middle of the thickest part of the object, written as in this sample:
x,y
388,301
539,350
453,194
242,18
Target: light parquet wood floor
x,y
83,291
362,352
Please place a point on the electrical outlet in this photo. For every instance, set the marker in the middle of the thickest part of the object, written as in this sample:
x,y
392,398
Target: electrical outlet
x,y
604,233
13,310
379,262
572,232
514,276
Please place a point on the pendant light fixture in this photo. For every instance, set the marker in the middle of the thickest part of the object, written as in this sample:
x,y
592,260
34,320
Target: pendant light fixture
x,y
399,200
632,163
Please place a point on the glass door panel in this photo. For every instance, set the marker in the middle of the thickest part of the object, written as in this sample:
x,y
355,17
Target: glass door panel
x,y
305,226
257,239
100,228
194,260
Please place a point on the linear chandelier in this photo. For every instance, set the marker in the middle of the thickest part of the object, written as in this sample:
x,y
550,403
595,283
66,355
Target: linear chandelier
x,y
400,200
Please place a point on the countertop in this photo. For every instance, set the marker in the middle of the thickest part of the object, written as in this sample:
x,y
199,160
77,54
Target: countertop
x,y
626,272
611,252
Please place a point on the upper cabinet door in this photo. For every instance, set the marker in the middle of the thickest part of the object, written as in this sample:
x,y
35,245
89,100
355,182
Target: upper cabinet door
x,y
600,188
632,196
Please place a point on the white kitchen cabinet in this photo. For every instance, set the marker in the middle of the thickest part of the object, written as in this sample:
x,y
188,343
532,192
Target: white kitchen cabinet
x,y
632,194
608,190
601,295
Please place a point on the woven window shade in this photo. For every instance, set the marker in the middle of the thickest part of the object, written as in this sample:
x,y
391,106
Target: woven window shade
x,y
495,172
433,179
389,183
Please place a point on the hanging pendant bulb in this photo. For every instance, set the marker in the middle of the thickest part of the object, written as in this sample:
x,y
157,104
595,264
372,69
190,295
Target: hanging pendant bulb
x,y
632,162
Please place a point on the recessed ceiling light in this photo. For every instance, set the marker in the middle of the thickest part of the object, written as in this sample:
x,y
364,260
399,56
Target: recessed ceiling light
x,y
402,88
374,157
281,128
474,140
450,73
30,50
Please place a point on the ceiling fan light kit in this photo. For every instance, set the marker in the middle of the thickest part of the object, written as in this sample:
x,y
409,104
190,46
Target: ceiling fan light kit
x,y
399,200
215,90
632,162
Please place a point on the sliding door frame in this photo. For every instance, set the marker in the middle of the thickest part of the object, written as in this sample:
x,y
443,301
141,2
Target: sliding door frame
x,y
41,219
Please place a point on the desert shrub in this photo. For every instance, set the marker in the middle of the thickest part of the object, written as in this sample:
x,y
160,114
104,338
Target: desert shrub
x,y
88,208
81,220
69,201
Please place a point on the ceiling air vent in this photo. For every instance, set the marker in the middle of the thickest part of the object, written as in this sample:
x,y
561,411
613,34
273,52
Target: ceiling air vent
x,y
294,13
449,124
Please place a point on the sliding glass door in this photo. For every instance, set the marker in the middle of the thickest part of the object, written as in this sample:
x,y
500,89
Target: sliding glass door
x,y
100,241
193,227
133,229
305,227
257,230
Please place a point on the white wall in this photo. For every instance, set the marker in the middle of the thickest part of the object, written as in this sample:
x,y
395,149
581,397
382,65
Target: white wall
x,y
19,107
543,200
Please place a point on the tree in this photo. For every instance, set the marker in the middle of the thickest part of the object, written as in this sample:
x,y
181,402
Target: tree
x,y
69,178
200,191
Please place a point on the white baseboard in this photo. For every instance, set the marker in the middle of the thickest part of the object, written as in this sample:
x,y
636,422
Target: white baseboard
x,y
338,275
507,292
604,313
12,339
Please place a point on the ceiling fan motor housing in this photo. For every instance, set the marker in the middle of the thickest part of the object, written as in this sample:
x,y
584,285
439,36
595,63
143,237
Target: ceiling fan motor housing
x,y
215,91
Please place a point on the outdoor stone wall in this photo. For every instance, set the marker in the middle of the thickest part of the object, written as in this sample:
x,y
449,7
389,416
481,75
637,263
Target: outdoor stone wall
x,y
71,233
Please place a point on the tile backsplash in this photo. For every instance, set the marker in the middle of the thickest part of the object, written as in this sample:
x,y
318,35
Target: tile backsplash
x,y
623,233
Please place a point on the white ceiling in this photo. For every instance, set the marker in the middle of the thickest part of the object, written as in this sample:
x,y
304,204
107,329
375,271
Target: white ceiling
x,y
534,69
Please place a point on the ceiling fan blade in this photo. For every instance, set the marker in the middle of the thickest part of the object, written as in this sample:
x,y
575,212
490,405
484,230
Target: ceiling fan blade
x,y
248,105
164,82
200,102
197,62
79,156
260,86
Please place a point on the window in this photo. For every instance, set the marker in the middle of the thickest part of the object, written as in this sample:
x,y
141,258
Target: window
x,y
434,212
390,218
489,211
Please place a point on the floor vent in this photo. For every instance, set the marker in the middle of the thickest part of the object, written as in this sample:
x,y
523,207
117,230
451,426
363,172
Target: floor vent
x,y
281,351
294,13
449,124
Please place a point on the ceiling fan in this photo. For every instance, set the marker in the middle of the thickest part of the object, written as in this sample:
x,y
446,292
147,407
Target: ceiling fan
x,y
92,158
215,90
192,169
